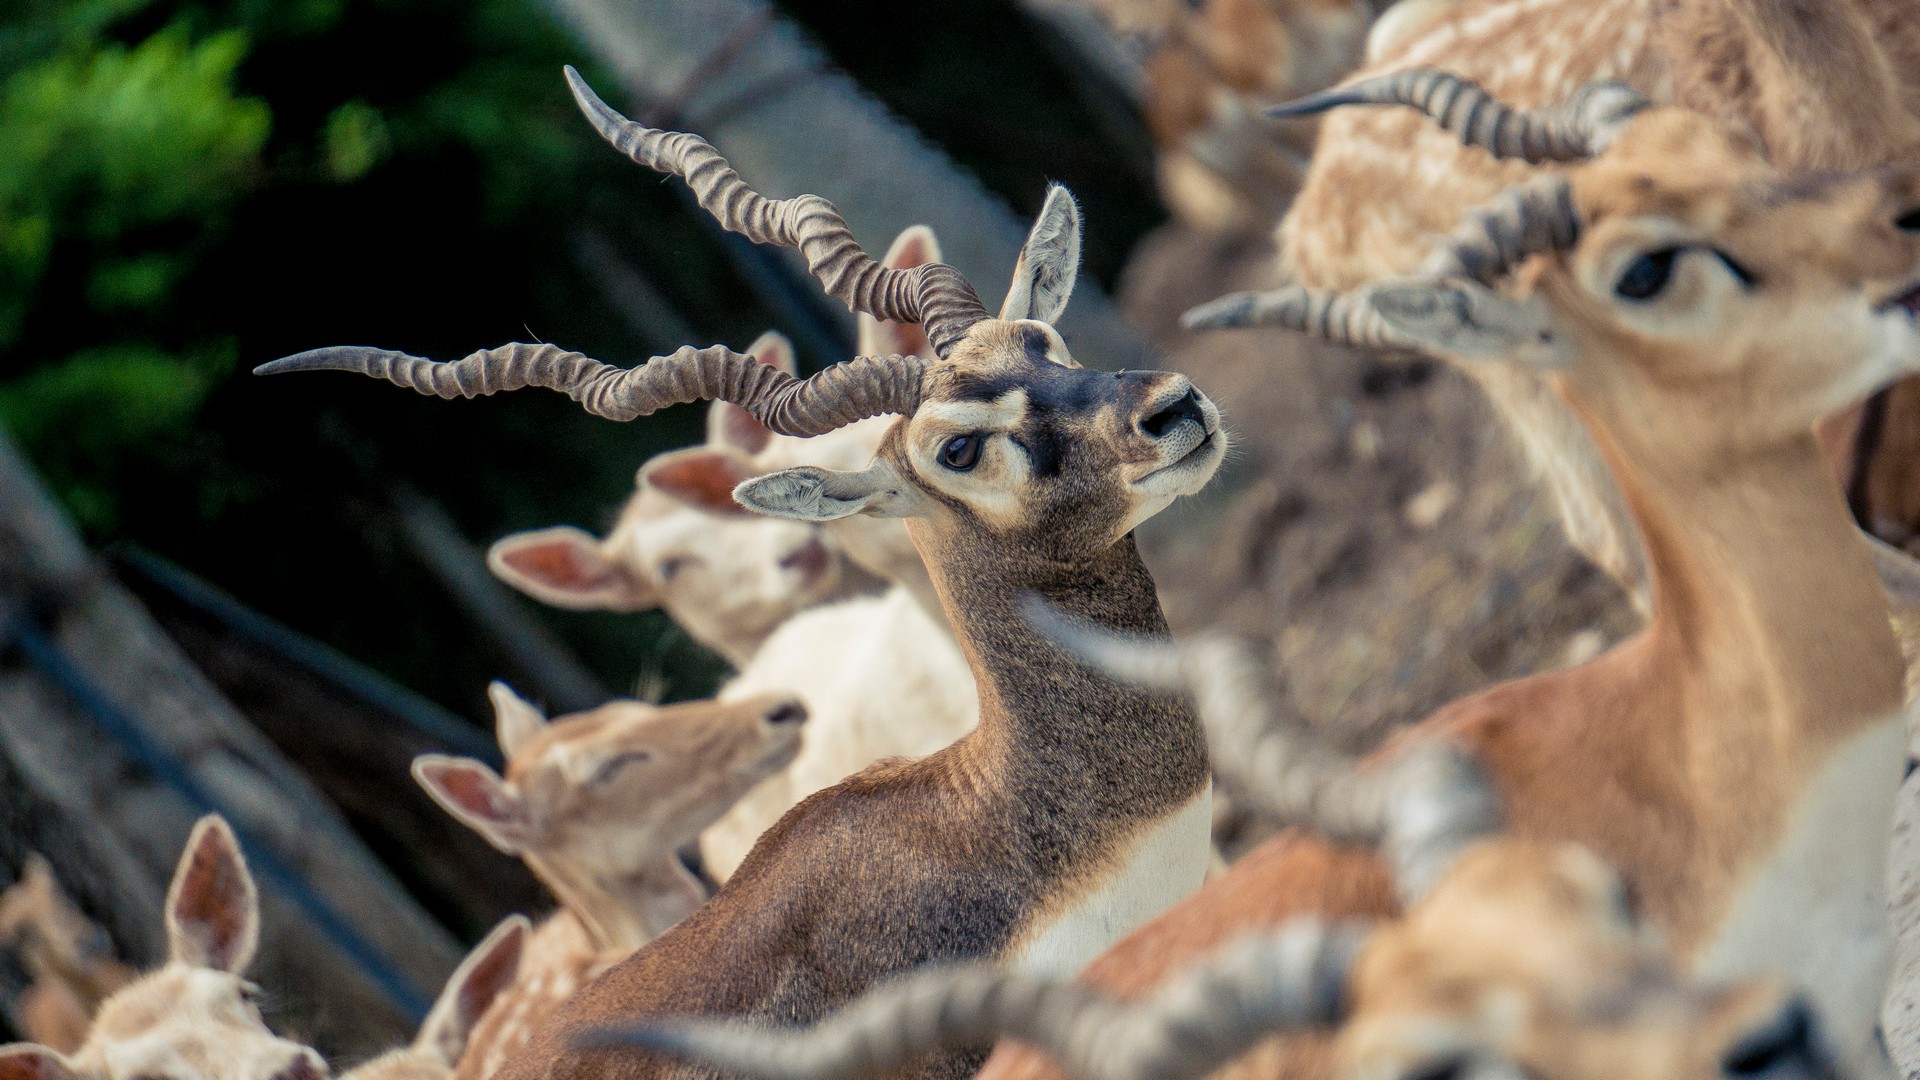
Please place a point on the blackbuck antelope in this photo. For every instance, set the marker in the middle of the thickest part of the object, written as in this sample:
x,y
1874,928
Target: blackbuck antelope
x,y
487,972
1832,85
1078,808
1699,310
195,1017
599,804
727,577
1513,957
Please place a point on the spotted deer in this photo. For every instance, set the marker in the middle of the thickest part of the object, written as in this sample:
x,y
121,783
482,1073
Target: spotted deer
x,y
195,1017
598,804
67,957
1078,808
1820,85
727,577
1512,957
1699,310
486,973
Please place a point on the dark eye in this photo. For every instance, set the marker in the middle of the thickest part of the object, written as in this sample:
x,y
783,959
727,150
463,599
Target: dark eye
x,y
1444,1069
1647,276
1785,1040
670,567
962,452
612,766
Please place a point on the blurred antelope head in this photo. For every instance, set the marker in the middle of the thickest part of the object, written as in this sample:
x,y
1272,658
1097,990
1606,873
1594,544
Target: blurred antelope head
x,y
1670,264
682,544
1008,450
598,803
195,1018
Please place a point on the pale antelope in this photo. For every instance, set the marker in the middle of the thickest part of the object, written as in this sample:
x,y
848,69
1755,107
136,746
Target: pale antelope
x,y
1699,310
482,977
881,675
1513,957
599,804
727,577
68,958
1078,808
195,1017
1822,85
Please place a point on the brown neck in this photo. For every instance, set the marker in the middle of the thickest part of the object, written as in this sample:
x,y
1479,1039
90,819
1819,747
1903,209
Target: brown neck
x,y
1764,597
621,911
1052,732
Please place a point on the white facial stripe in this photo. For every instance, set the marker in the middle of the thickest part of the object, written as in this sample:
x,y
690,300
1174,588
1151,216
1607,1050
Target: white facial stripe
x,y
961,417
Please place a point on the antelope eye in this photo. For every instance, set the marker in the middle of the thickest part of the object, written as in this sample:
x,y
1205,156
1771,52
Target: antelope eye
x,y
1647,276
962,452
669,567
612,766
1444,1069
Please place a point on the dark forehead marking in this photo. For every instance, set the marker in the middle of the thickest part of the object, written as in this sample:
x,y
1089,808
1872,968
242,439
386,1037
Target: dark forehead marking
x,y
1048,386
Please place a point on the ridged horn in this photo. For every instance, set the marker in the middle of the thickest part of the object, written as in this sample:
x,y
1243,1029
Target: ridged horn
x,y
1340,317
833,398
935,295
1290,980
1423,806
1524,220
1574,130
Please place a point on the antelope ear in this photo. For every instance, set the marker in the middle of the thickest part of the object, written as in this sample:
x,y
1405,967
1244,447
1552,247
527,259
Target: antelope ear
x,y
31,1061
812,494
515,719
1049,261
728,424
699,477
477,797
487,971
566,567
1466,320
213,909
917,246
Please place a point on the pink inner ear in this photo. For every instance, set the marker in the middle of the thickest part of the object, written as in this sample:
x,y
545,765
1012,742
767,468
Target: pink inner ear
x,y
492,975
738,428
474,790
560,563
705,480
214,901
27,1062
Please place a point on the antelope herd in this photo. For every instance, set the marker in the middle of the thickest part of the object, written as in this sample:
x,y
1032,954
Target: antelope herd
x,y
954,812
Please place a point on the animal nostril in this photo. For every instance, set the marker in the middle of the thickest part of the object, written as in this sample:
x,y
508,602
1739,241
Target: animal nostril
x,y
303,1067
787,712
1909,221
1785,1040
1186,408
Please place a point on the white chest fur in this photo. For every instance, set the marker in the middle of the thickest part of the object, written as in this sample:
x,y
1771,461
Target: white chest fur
x,y
1815,910
1163,866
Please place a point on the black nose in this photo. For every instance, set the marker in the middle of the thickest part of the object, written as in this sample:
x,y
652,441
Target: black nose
x,y
787,712
1186,408
1783,1047
1908,221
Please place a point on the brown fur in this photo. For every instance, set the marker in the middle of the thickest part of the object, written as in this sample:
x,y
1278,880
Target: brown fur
x,y
957,855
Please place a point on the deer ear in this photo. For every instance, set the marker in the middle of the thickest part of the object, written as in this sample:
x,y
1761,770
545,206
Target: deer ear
x,y
699,477
917,246
487,971
476,797
31,1061
213,909
515,719
1465,320
813,494
566,567
1049,262
730,425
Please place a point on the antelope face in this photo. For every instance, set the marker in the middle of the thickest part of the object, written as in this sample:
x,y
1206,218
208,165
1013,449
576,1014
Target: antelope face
x,y
618,787
1527,957
1721,281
